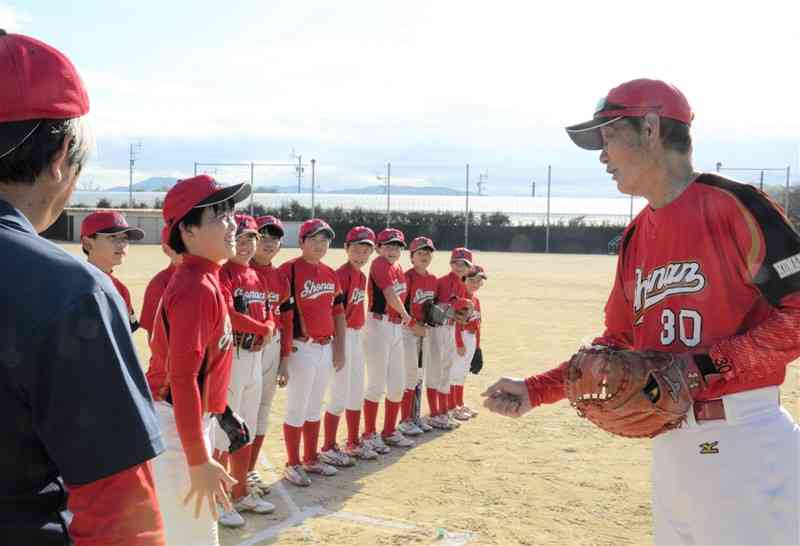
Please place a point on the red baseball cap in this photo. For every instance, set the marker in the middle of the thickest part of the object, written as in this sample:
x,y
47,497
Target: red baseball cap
x,y
246,224
271,225
461,254
361,234
39,82
391,235
309,228
109,221
421,242
198,192
476,271
631,99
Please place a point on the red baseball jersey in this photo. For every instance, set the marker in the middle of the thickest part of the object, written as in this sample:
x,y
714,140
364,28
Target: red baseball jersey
x,y
279,300
247,299
190,363
421,288
449,287
473,324
126,296
383,274
317,298
354,291
152,297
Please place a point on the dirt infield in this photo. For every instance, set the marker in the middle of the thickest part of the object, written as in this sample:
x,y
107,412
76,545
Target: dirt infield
x,y
549,478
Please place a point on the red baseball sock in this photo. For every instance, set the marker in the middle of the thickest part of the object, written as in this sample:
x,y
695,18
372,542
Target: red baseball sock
x,y
291,438
442,402
310,441
331,426
370,417
408,401
257,443
352,417
239,462
459,395
390,417
451,398
433,404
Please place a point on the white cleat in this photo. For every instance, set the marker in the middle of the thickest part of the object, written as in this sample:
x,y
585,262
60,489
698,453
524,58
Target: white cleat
x,y
253,503
361,451
231,519
441,422
320,468
375,443
335,457
256,484
297,475
398,440
422,424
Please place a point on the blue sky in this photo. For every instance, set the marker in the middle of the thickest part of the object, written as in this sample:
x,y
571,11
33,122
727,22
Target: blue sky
x,y
429,86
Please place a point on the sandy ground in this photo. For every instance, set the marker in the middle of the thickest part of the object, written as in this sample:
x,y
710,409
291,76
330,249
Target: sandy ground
x,y
548,478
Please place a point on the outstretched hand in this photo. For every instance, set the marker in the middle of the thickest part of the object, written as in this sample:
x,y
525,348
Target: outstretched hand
x,y
208,483
508,397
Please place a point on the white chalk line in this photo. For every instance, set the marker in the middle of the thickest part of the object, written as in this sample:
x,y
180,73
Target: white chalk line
x,y
297,517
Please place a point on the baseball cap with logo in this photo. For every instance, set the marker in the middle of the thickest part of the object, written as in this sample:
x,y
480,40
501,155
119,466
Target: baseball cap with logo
x,y
245,224
38,82
361,234
420,243
271,225
309,228
461,254
476,271
391,235
631,99
198,192
107,222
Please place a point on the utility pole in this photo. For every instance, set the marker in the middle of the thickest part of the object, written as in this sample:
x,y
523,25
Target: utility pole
x,y
482,178
313,180
547,230
135,149
466,211
388,194
533,188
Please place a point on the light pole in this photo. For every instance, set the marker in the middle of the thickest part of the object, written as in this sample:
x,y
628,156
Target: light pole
x,y
313,180
466,211
135,148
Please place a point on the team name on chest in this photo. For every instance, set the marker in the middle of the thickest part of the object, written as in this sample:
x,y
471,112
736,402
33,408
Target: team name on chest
x,y
665,281
421,296
358,296
273,297
250,295
399,287
312,289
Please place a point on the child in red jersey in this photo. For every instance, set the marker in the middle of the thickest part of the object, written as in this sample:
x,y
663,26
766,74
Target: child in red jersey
x,y
448,288
383,345
273,356
468,338
252,329
191,359
318,335
347,386
104,240
157,285
416,340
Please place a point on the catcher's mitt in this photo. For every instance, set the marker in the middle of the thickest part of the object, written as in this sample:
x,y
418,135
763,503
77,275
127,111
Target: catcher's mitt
x,y
477,362
437,314
632,394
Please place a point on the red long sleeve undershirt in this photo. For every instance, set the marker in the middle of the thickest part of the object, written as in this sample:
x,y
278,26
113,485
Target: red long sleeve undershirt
x,y
757,357
119,510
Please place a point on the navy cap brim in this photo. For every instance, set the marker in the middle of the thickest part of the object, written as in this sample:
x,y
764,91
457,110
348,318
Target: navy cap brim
x,y
329,231
587,134
237,192
272,230
134,233
395,240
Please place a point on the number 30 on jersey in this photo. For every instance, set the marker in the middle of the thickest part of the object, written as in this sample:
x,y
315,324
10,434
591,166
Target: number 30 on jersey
x,y
686,325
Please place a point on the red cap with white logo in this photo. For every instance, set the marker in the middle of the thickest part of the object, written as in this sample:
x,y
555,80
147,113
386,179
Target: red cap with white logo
x,y
420,243
198,192
38,82
271,225
361,234
476,271
309,228
391,235
461,254
108,222
245,224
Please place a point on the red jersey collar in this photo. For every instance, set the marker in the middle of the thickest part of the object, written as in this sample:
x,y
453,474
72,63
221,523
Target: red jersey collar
x,y
230,264
201,264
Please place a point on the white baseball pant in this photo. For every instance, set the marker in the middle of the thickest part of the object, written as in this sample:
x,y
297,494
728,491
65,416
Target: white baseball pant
x,y
411,356
270,359
731,481
310,366
458,373
347,385
171,477
383,349
244,393
443,353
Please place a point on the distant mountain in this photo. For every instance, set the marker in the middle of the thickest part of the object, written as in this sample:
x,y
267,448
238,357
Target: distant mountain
x,y
400,190
156,183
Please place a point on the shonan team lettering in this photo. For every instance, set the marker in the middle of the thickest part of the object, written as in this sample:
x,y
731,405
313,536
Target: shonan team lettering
x,y
312,290
358,296
665,281
421,296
